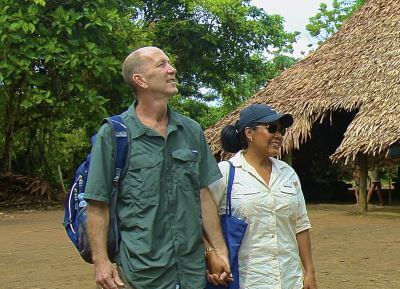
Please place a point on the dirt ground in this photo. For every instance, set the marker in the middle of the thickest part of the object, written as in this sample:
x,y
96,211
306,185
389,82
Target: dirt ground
x,y
351,250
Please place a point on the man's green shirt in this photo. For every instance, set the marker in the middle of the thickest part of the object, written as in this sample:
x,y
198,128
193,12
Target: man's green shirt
x,y
158,205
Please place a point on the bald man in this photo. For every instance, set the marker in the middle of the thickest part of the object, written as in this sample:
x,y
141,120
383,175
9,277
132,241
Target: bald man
x,y
164,207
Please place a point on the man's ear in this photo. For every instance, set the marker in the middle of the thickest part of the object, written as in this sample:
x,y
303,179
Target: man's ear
x,y
138,80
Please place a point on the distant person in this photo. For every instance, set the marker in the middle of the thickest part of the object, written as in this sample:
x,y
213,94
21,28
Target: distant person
x,y
375,185
266,193
164,205
356,177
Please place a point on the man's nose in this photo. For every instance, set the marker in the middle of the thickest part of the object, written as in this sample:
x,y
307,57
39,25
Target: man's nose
x,y
171,70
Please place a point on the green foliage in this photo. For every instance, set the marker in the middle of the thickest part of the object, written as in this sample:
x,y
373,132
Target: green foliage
x,y
328,21
218,46
61,61
45,148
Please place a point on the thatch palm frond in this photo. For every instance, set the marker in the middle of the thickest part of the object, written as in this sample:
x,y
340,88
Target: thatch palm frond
x,y
357,69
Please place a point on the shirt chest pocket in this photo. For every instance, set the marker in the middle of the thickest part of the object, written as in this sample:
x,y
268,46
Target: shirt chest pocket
x,y
143,173
186,166
286,198
186,159
248,203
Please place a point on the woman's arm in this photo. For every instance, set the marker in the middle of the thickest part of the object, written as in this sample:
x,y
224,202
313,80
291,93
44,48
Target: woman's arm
x,y
304,244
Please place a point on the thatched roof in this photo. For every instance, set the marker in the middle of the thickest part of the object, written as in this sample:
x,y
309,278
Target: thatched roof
x,y
357,69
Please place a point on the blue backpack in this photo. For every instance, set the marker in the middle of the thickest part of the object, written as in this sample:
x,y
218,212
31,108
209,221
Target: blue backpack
x,y
76,207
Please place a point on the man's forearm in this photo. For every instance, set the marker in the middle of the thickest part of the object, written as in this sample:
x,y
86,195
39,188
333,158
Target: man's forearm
x,y
211,222
97,227
217,260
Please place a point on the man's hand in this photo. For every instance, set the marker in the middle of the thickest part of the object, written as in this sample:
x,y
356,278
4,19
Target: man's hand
x,y
107,276
219,272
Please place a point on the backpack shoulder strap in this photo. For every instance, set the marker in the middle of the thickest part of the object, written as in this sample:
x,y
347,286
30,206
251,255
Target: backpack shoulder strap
x,y
120,138
121,144
231,177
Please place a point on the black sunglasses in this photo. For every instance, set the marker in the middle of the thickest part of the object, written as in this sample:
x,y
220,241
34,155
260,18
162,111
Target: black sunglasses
x,y
273,128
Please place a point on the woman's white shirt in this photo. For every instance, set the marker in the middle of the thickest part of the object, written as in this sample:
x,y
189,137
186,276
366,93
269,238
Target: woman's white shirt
x,y
275,213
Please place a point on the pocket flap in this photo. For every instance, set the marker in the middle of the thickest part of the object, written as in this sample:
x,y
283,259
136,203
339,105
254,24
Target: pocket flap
x,y
288,190
186,155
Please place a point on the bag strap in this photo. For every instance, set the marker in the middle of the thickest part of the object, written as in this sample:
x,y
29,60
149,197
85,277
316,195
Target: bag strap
x,y
231,177
119,132
120,138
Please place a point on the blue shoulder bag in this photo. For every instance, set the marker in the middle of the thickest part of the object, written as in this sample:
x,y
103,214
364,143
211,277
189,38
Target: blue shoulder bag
x,y
233,230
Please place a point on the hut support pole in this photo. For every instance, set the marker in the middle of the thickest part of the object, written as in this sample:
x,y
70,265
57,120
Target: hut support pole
x,y
390,187
362,198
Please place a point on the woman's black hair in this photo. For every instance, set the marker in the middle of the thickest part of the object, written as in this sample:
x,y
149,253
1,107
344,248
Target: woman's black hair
x,y
232,140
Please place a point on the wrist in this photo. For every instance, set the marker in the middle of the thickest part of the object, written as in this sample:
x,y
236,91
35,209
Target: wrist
x,y
310,272
221,250
209,250
100,259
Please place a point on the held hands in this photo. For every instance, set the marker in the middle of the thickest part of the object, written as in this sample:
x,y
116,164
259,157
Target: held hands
x,y
218,272
107,276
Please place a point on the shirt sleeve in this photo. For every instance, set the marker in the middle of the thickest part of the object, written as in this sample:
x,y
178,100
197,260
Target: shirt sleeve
x,y
218,188
302,221
209,171
101,168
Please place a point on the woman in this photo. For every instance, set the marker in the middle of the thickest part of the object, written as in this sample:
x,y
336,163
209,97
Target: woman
x,y
266,194
356,176
375,185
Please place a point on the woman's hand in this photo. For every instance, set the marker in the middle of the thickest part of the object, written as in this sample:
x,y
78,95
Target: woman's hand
x,y
310,282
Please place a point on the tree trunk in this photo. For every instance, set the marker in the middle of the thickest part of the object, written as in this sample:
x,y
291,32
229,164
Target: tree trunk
x,y
9,124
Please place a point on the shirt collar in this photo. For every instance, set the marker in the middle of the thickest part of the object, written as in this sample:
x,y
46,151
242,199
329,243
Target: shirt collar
x,y
138,128
174,117
278,167
238,160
